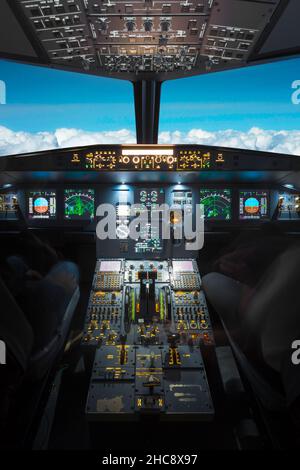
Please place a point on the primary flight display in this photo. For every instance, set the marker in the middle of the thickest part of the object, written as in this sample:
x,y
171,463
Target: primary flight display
x,y
253,205
41,204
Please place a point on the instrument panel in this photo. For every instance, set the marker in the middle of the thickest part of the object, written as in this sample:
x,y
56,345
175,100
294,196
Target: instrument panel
x,y
76,205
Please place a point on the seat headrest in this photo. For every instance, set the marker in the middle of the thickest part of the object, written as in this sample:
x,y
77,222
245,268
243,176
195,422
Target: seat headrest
x,y
15,330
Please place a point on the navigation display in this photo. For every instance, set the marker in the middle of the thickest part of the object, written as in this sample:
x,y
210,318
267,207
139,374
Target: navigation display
x,y
289,206
42,204
149,240
8,206
217,203
254,205
79,204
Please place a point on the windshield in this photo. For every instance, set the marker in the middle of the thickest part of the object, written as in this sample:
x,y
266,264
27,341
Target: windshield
x,y
45,109
254,108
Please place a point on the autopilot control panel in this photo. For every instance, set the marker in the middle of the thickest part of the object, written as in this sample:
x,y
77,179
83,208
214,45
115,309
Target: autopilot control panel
x,y
147,323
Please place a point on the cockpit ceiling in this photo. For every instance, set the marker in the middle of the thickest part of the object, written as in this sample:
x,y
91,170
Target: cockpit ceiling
x,y
134,38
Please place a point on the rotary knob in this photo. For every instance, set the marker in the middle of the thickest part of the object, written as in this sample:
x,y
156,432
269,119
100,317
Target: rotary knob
x,y
148,24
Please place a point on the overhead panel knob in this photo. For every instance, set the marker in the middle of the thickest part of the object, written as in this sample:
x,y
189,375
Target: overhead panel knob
x,y
102,22
148,24
130,25
165,25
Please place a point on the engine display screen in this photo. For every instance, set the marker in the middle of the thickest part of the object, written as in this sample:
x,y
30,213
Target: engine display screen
x,y
8,206
110,266
42,205
79,204
183,266
289,206
182,200
123,210
254,205
217,203
149,240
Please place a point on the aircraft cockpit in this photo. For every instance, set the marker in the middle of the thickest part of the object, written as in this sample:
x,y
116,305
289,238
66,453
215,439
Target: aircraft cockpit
x,y
149,279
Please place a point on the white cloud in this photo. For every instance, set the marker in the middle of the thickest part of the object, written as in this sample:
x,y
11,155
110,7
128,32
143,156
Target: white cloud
x,y
76,137
256,139
21,142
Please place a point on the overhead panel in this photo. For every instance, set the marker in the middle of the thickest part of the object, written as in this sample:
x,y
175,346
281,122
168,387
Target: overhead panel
x,y
234,27
121,36
177,37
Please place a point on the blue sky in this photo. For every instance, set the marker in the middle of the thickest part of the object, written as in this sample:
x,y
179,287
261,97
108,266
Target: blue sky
x,y
41,99
239,99
219,109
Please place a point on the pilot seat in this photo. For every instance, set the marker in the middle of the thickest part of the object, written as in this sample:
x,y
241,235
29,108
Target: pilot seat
x,y
262,325
33,345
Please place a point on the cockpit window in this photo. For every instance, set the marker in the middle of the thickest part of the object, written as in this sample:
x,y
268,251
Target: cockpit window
x,y
255,108
43,109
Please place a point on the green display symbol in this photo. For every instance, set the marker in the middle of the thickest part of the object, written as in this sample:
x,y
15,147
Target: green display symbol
x,y
217,204
79,204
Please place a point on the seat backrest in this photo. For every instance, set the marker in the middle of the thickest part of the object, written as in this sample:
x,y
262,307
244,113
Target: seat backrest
x,y
15,331
17,337
274,311
42,360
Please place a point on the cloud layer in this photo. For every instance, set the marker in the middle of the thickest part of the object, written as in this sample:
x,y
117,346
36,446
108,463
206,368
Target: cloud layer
x,y
255,139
